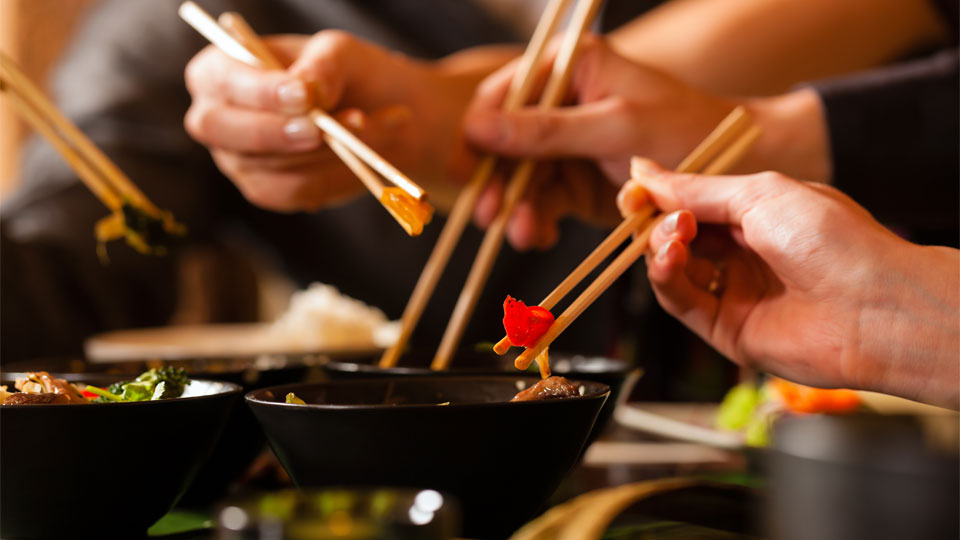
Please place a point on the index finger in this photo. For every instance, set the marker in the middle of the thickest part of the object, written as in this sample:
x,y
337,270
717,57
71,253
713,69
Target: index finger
x,y
715,199
213,73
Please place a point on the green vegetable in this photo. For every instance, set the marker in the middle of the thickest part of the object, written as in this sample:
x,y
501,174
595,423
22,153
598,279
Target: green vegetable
x,y
163,383
738,406
758,430
104,394
292,398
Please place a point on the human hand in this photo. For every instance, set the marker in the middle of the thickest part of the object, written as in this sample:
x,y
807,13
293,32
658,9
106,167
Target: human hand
x,y
255,124
618,110
798,280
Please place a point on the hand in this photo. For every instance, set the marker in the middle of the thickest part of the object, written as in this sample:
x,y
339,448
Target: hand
x,y
800,281
254,121
617,111
620,109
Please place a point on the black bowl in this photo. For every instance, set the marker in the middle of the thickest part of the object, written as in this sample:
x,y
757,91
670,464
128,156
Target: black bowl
x,y
609,371
242,439
104,470
501,460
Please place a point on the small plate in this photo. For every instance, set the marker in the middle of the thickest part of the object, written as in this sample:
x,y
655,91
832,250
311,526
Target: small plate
x,y
200,341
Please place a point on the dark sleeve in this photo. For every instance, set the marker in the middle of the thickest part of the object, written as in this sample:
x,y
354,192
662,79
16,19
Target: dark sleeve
x,y
894,138
121,82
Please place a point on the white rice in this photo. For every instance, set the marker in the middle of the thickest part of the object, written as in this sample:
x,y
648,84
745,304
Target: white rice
x,y
320,318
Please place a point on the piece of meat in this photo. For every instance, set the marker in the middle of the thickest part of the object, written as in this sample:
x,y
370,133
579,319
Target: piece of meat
x,y
41,382
549,388
62,387
44,398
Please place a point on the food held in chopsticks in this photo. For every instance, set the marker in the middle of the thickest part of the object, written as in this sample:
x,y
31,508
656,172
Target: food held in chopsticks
x,y
725,145
524,324
751,409
410,213
134,218
40,388
150,233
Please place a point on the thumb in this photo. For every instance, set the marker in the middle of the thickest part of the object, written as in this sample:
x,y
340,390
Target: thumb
x,y
592,130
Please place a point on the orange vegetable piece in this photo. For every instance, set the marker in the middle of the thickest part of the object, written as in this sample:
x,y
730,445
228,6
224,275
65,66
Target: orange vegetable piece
x,y
806,399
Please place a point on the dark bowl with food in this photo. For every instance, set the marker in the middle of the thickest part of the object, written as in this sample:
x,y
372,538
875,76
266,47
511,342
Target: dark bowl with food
x,y
242,439
609,371
104,470
459,435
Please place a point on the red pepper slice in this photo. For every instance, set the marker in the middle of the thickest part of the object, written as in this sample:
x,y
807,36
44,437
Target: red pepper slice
x,y
525,325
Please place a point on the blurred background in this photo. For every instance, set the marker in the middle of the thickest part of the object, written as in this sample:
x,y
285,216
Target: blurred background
x,y
33,33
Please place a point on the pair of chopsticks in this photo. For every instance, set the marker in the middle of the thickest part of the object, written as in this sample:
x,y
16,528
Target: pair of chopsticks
x,y
726,145
517,96
107,182
232,35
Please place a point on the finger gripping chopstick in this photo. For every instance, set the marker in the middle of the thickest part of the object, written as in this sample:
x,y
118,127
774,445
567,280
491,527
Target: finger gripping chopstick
x,y
734,133
229,43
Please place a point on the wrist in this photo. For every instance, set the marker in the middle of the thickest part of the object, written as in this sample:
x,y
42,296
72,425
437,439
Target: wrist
x,y
910,328
794,138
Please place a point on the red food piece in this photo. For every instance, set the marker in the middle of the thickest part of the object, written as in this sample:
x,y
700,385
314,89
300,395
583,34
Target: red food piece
x,y
524,324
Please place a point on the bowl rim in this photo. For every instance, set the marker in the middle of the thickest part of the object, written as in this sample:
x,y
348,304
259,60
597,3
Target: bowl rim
x,y
603,392
347,366
229,388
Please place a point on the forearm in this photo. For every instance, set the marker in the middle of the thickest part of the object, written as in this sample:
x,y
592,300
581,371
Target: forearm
x,y
762,47
793,139
910,327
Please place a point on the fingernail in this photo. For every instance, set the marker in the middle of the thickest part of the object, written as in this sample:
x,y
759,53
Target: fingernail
x,y
292,96
301,129
664,252
354,119
669,225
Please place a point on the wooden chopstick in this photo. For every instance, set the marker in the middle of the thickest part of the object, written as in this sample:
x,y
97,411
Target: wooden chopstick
x,y
636,248
624,260
601,252
94,168
733,153
582,16
203,23
726,131
517,95
731,127
85,171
